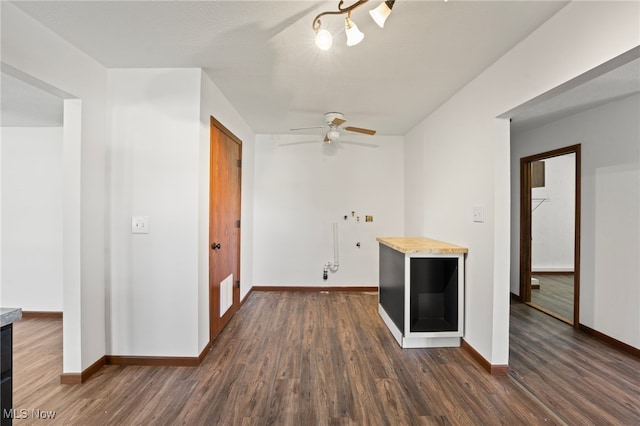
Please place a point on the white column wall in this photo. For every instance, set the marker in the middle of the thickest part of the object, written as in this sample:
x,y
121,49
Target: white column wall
x,y
72,288
466,152
154,125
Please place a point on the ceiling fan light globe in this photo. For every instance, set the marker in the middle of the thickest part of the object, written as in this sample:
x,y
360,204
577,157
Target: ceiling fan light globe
x,y
323,40
380,14
333,135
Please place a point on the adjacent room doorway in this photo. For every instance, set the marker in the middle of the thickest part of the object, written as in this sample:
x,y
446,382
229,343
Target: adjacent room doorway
x,y
543,285
224,227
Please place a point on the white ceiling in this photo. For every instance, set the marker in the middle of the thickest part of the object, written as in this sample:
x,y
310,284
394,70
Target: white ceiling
x,y
604,87
262,57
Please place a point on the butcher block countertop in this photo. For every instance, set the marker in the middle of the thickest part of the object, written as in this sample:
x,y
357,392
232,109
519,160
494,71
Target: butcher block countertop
x,y
409,245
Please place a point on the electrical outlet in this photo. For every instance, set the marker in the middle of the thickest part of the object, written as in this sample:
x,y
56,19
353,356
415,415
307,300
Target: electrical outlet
x,y
140,225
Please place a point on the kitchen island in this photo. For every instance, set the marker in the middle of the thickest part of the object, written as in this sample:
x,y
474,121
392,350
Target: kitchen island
x,y
421,293
7,318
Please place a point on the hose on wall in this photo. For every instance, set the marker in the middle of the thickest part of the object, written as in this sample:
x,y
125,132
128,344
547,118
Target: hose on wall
x,y
332,266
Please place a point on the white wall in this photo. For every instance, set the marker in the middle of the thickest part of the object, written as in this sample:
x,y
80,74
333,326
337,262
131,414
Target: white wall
x,y
553,215
610,211
302,188
31,49
213,103
154,125
32,218
159,136
466,153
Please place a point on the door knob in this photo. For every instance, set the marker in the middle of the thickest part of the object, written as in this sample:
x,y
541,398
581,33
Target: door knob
x,y
215,246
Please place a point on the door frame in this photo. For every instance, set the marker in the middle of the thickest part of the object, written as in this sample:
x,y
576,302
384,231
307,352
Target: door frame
x,y
525,225
214,317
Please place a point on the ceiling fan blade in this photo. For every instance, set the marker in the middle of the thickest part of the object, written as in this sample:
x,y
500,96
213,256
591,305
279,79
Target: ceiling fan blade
x,y
368,145
306,128
297,143
338,121
360,130
326,138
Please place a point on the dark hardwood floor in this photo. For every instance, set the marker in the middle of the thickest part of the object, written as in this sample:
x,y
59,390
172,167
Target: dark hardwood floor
x,y
307,358
581,379
555,295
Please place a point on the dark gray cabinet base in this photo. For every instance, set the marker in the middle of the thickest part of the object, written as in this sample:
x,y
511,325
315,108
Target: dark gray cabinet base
x,y
6,372
421,295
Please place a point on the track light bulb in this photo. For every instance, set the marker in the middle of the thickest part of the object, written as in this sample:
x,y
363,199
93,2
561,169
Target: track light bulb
x,y
354,35
323,39
382,12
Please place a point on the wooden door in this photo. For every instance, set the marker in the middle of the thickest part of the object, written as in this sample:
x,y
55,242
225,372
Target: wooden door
x,y
224,227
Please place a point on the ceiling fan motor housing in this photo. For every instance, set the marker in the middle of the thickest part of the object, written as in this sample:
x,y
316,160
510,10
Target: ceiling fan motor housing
x,y
335,120
330,116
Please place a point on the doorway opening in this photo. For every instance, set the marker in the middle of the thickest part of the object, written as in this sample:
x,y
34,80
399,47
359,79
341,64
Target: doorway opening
x,y
45,140
550,232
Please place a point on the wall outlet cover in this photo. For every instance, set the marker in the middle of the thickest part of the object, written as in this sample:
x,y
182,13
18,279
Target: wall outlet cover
x,y
140,225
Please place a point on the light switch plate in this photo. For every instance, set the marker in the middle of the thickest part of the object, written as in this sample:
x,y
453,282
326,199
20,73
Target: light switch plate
x,y
478,214
140,225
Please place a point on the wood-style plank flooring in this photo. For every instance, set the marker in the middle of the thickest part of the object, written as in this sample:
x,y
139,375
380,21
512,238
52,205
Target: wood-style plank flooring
x,y
300,358
581,379
555,295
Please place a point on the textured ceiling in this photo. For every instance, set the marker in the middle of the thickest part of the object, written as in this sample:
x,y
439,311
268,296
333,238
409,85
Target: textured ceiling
x,y
261,54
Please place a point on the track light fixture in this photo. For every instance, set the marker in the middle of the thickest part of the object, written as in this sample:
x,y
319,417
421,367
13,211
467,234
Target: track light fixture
x,y
382,12
324,38
354,35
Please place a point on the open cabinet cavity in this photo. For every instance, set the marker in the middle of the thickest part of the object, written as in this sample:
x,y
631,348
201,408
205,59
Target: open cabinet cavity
x,y
433,294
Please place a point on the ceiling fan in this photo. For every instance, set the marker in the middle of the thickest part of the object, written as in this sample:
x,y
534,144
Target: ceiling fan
x,y
334,121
